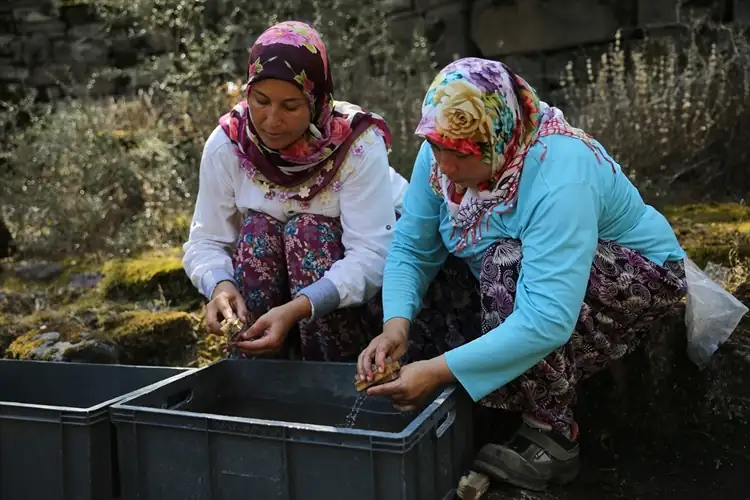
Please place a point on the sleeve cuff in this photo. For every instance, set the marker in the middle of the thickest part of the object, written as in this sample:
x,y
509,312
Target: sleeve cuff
x,y
212,278
470,381
398,309
324,297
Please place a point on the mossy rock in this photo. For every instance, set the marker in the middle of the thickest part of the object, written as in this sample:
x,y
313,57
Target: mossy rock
x,y
150,277
24,345
44,334
134,337
156,338
53,346
708,212
711,232
34,276
69,322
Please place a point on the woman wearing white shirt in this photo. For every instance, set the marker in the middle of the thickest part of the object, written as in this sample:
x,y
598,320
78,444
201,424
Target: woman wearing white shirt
x,y
296,208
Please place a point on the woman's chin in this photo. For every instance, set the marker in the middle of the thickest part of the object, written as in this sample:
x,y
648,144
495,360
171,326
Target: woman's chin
x,y
277,143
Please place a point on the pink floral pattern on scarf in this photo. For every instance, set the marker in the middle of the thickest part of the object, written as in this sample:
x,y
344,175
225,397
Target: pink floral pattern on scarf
x,y
294,52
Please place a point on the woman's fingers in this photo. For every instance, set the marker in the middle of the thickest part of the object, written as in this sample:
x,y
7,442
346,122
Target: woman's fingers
x,y
381,353
215,307
364,362
393,390
257,329
222,302
267,342
240,306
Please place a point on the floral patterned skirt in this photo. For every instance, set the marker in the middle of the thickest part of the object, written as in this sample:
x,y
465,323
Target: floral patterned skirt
x,y
626,293
274,260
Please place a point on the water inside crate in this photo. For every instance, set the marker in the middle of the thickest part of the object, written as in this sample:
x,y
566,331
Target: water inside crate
x,y
317,414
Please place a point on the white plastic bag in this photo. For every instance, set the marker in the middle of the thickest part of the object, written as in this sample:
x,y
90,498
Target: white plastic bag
x,y
711,314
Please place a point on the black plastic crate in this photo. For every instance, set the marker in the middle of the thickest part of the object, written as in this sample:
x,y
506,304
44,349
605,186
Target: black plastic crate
x,y
194,437
56,440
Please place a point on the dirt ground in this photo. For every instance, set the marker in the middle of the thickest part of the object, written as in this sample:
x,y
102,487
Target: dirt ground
x,y
689,466
687,458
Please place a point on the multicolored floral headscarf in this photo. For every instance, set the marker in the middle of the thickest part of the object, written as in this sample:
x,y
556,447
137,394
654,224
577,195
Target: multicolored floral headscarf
x,y
480,108
294,52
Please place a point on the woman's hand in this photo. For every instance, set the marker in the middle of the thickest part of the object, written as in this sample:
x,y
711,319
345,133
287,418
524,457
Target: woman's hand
x,y
226,301
417,381
269,332
392,343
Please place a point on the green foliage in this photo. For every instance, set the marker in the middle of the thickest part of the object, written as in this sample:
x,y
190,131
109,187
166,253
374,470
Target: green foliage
x,y
94,176
120,175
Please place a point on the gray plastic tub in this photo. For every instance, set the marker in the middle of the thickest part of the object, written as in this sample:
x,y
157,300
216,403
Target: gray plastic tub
x,y
269,429
56,440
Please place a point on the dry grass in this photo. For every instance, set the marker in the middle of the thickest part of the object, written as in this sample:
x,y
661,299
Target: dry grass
x,y
673,111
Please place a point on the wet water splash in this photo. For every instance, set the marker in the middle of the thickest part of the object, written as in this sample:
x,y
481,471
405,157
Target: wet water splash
x,y
351,417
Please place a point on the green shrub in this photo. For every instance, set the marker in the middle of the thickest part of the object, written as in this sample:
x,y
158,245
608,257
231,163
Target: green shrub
x,y
95,175
120,175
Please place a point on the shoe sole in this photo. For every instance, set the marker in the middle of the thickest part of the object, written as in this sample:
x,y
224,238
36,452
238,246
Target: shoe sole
x,y
498,473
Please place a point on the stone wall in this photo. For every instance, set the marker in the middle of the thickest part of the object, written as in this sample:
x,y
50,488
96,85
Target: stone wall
x,y
56,46
61,46
538,37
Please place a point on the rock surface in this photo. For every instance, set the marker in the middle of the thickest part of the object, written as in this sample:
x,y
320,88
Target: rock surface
x,y
150,277
39,271
135,337
50,346
132,311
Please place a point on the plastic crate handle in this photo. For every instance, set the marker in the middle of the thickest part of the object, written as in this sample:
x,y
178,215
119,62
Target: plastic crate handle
x,y
178,400
446,424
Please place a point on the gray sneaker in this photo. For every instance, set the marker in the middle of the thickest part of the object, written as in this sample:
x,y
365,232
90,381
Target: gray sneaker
x,y
532,459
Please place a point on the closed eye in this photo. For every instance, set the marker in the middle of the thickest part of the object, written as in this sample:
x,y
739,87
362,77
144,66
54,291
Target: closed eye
x,y
261,99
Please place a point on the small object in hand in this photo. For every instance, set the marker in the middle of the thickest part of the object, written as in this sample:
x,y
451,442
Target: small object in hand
x,y
232,328
391,372
473,486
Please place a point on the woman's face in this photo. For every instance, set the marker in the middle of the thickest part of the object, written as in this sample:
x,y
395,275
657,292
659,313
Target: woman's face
x,y
280,112
465,170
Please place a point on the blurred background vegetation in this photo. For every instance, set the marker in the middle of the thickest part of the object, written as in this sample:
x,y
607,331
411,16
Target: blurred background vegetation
x,y
115,172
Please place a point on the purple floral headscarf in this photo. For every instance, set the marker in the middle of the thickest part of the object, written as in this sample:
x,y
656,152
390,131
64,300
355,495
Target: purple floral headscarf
x,y
294,52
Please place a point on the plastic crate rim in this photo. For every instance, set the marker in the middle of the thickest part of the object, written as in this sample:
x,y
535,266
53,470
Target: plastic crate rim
x,y
120,412
100,407
103,365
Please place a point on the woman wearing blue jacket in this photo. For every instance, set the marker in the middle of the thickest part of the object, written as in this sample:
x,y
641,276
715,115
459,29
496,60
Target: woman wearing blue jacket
x,y
570,266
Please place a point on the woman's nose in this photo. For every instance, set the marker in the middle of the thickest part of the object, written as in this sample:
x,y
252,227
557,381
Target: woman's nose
x,y
446,164
274,116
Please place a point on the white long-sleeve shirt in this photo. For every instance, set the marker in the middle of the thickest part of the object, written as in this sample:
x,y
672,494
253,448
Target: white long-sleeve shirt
x,y
370,193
